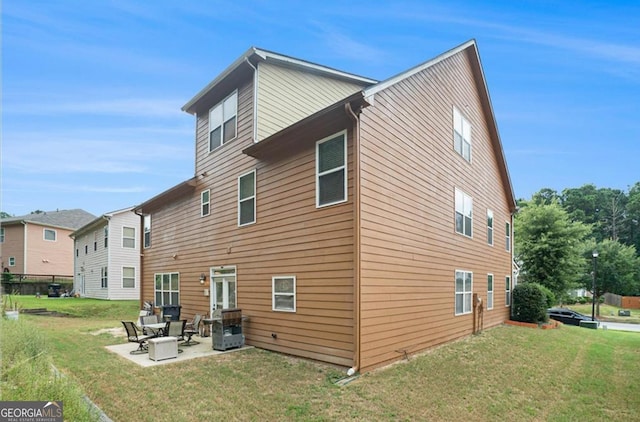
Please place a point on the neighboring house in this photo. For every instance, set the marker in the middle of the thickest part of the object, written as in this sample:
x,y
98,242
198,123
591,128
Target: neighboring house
x,y
352,221
107,256
39,244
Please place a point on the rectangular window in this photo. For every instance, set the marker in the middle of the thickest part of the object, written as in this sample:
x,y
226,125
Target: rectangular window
x,y
508,236
247,198
147,230
77,252
50,235
464,212
204,203
284,293
490,227
464,289
103,277
95,246
489,291
507,291
167,289
128,277
222,121
86,249
461,135
128,237
106,236
1,234
331,170
12,261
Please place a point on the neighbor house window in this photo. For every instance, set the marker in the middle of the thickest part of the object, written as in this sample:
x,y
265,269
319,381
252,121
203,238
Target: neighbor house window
x,y
77,252
507,291
86,249
167,289
95,246
222,121
205,199
106,236
128,237
490,227
464,212
331,170
12,261
128,277
1,234
508,236
284,293
461,135
247,198
147,230
103,277
50,235
489,291
464,289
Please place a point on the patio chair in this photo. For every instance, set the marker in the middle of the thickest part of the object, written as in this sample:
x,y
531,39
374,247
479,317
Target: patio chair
x,y
134,337
175,329
148,319
191,329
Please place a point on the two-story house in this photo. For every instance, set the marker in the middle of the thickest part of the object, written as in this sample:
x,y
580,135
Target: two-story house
x,y
39,243
107,256
353,221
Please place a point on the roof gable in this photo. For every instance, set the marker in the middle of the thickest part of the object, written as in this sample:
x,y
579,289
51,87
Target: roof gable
x,y
68,219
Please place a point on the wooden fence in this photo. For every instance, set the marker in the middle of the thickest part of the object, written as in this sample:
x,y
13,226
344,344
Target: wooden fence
x,y
31,284
626,302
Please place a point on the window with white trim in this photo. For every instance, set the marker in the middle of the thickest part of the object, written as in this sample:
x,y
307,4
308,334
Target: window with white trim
x,y
12,261
331,170
507,236
1,234
147,230
128,237
507,290
464,213
284,293
489,291
167,289
205,202
461,135
223,122
106,236
490,227
50,235
464,291
103,278
247,198
128,277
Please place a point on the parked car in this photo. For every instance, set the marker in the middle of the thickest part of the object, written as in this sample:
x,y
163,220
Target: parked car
x,y
567,316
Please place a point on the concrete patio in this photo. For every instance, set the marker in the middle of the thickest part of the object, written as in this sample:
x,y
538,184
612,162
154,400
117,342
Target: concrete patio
x,y
203,349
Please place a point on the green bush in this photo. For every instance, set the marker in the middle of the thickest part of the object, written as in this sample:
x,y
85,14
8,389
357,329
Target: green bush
x,y
529,303
550,297
582,300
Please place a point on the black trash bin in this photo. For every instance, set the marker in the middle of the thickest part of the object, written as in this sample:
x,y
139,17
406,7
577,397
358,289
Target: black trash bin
x,y
172,311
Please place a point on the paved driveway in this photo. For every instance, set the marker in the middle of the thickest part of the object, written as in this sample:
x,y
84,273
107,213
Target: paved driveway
x,y
619,326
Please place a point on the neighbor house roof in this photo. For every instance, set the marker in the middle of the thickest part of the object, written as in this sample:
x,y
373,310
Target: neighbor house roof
x,y
65,219
91,225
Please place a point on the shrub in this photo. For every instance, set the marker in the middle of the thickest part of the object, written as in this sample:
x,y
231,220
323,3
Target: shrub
x,y
582,300
529,303
550,297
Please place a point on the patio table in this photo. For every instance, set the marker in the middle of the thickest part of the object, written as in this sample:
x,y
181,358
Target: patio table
x,y
157,328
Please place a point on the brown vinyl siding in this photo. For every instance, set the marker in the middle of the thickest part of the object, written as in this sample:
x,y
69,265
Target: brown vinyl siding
x,y
410,250
290,237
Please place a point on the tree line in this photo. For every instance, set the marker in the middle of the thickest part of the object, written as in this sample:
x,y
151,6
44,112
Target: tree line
x,y
564,239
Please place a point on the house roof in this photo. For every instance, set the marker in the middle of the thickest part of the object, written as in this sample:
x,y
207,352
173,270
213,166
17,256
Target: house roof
x,y
170,194
98,221
65,219
244,65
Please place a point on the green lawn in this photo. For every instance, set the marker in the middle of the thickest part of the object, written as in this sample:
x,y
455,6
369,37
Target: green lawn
x,y
608,313
506,373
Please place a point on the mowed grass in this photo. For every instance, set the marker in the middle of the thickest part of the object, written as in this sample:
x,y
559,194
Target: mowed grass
x,y
608,313
505,373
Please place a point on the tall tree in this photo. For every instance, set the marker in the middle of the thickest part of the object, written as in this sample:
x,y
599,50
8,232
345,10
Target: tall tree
x,y
549,246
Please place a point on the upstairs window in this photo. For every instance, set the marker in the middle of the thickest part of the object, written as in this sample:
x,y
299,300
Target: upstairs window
x,y
247,198
1,234
222,121
128,237
205,202
50,235
490,227
331,170
464,289
507,236
147,230
461,135
106,236
464,213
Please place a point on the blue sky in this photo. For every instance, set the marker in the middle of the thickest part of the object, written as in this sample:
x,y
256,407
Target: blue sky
x,y
92,91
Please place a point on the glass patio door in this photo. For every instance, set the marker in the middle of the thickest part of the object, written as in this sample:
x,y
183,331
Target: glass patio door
x,y
223,287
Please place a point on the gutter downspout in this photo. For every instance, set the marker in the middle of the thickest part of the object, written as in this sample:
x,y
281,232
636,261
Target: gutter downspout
x,y
255,100
356,244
